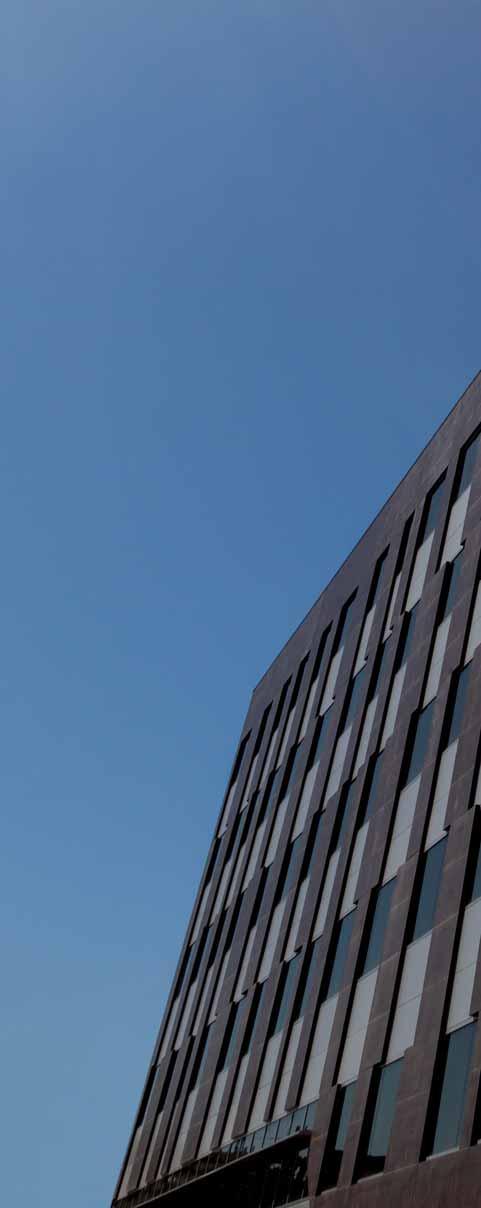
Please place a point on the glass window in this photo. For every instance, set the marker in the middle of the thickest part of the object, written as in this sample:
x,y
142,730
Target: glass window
x,y
383,1116
307,980
456,1066
290,869
458,704
284,997
355,694
232,1032
469,461
420,742
371,787
293,768
476,887
407,637
433,862
431,517
344,813
453,576
270,793
314,841
339,953
337,1140
318,742
378,926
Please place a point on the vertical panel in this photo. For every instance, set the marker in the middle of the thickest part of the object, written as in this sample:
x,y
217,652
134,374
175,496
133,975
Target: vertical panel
x,y
200,914
214,1109
203,1000
271,941
454,536
361,657
254,856
124,1186
338,763
392,604
291,945
276,831
235,877
318,1053
403,821
266,1076
437,659
459,1010
405,1020
221,888
287,1068
365,735
169,1029
240,985
441,795
474,638
185,1015
356,1032
308,709
419,573
326,895
330,688
220,983
236,1098
349,896
304,801
393,706
176,1158
152,1142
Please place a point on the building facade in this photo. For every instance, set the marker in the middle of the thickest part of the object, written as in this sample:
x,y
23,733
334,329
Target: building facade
x,y
321,1042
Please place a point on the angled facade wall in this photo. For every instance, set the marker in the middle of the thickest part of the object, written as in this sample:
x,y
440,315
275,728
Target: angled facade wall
x,y
321,1039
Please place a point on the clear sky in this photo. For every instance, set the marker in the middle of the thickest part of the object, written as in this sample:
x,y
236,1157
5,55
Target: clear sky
x,y
240,287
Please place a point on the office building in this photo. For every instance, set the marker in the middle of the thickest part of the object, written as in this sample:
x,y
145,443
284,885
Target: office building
x,y
321,1044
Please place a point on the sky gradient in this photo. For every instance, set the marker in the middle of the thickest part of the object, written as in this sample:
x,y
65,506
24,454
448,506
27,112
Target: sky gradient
x,y
241,279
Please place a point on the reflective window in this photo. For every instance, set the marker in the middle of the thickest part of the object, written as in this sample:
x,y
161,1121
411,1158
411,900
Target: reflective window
x,y
281,1010
420,742
454,570
371,787
433,509
339,954
433,862
355,696
455,1073
469,461
375,1156
337,1140
458,703
378,926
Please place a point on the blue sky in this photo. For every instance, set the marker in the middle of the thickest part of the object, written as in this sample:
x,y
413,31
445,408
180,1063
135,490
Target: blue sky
x,y
240,287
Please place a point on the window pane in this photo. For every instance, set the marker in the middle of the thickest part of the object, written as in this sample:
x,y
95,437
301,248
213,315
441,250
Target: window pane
x,y
454,573
434,507
289,975
383,1116
372,790
421,740
476,890
459,703
344,931
378,926
428,897
469,461
344,813
453,1089
333,1159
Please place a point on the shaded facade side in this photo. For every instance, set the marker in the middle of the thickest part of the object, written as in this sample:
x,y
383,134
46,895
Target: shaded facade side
x,y
321,1040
